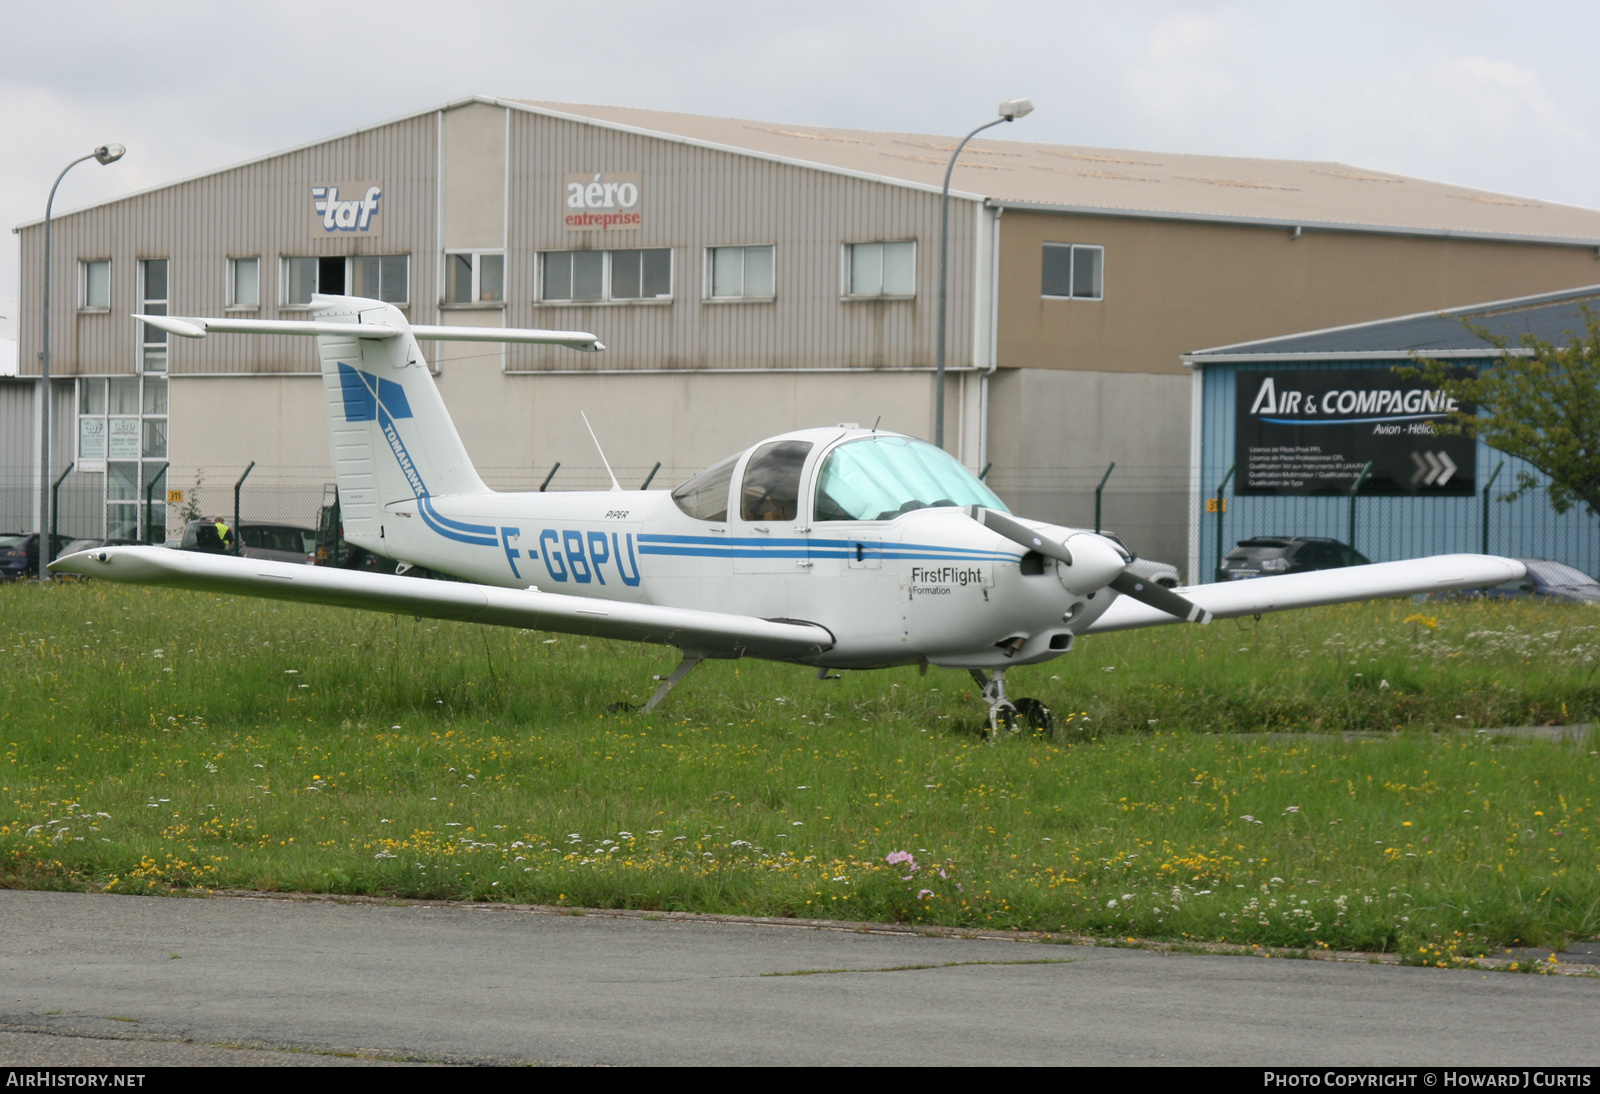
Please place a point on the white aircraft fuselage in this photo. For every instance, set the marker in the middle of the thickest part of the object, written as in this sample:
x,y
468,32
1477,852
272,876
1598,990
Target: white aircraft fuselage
x,y
930,584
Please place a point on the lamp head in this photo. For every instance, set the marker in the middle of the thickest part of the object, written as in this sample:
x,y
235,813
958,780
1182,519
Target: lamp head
x,y
1012,109
109,153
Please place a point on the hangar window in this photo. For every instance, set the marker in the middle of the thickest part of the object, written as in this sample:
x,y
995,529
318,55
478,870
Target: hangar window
x,y
377,277
739,273
881,269
122,434
474,277
381,277
644,274
244,283
1074,271
299,281
153,297
94,283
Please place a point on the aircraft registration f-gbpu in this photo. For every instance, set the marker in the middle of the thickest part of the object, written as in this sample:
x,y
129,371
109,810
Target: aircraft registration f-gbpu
x,y
833,548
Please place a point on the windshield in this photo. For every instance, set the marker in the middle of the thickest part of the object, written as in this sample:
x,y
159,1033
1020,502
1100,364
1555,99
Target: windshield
x,y
878,478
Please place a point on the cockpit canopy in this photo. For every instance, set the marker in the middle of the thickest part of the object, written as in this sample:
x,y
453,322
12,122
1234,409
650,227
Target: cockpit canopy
x,y
874,477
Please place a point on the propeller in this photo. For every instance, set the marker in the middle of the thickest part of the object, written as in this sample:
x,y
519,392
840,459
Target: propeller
x,y
1097,565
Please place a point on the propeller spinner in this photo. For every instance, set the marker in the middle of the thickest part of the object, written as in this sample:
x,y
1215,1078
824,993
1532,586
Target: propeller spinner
x,y
1091,562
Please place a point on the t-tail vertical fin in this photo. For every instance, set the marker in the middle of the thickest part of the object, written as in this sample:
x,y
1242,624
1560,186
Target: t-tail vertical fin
x,y
390,436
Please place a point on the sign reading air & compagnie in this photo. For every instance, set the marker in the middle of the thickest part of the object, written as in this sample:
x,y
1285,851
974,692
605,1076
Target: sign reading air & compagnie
x,y
355,207
601,202
1304,432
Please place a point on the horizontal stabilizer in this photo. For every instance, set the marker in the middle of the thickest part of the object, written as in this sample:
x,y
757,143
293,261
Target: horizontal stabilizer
x,y
714,634
194,327
1256,596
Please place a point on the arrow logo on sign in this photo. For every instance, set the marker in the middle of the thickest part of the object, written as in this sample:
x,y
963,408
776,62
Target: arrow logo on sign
x,y
1433,468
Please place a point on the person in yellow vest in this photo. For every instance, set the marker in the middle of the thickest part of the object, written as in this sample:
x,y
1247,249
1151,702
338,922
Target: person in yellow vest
x,y
224,533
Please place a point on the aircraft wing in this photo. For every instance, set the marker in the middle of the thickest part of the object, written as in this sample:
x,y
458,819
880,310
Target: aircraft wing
x,y
1259,595
714,634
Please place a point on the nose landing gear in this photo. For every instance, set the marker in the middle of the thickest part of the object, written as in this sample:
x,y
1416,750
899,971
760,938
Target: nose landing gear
x,y
1010,715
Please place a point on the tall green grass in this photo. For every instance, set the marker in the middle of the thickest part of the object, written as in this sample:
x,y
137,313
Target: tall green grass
x,y
152,741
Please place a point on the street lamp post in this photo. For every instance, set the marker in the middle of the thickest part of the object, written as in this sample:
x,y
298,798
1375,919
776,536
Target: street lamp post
x,y
106,153
1010,110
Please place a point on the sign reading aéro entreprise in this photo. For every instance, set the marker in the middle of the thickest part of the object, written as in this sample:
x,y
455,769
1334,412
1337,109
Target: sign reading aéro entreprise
x,y
355,207
601,202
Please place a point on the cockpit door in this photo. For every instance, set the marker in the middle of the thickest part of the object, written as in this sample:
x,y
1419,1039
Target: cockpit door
x,y
769,534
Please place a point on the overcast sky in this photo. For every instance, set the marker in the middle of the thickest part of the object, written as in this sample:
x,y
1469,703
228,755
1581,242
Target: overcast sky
x,y
1498,96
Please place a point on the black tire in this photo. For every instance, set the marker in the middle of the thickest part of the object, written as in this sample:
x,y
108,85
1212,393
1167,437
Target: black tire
x,y
1033,714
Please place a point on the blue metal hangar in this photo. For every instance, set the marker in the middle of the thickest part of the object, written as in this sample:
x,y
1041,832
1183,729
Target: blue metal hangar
x,y
1284,427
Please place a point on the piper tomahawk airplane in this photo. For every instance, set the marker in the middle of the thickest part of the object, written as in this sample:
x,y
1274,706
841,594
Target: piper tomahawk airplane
x,y
833,548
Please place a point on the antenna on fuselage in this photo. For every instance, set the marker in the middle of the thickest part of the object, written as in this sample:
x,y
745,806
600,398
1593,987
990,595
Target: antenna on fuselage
x,y
615,485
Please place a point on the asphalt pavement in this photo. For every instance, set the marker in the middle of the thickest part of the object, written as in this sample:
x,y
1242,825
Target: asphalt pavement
x,y
128,981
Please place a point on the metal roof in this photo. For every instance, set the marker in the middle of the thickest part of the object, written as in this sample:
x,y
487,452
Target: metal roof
x,y
1314,195
1550,317
1116,182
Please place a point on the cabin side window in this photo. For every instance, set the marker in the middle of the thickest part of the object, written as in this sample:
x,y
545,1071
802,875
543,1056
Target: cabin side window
x,y
771,489
705,497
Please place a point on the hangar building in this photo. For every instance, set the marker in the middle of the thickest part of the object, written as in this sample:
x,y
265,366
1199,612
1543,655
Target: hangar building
x,y
1284,427
749,278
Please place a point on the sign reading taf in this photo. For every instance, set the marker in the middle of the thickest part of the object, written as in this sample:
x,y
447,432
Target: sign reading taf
x,y
602,202
347,207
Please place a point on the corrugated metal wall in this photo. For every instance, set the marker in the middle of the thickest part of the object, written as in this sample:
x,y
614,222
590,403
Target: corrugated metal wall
x,y
694,198
19,477
260,209
1386,527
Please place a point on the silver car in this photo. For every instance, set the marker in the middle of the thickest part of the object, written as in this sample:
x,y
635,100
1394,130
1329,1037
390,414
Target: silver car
x,y
1146,569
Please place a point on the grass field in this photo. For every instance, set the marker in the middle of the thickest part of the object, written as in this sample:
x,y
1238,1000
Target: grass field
x,y
1198,786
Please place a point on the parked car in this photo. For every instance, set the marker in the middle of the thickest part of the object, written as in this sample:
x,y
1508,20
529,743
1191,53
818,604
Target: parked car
x,y
252,539
1261,556
1147,569
1552,580
19,553
279,542
201,535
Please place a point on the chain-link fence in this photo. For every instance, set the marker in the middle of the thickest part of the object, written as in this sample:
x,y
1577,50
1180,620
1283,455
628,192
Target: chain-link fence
x,y
1147,507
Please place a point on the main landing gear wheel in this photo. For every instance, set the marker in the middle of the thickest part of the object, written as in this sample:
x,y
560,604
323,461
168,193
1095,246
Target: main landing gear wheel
x,y
1032,714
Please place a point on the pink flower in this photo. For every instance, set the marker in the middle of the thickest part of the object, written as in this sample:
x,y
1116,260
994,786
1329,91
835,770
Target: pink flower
x,y
925,894
902,856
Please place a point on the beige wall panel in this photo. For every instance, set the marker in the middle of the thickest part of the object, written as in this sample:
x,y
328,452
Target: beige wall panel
x,y
1068,419
259,209
695,198
220,425
1172,286
486,408
19,442
515,427
474,177
1053,431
